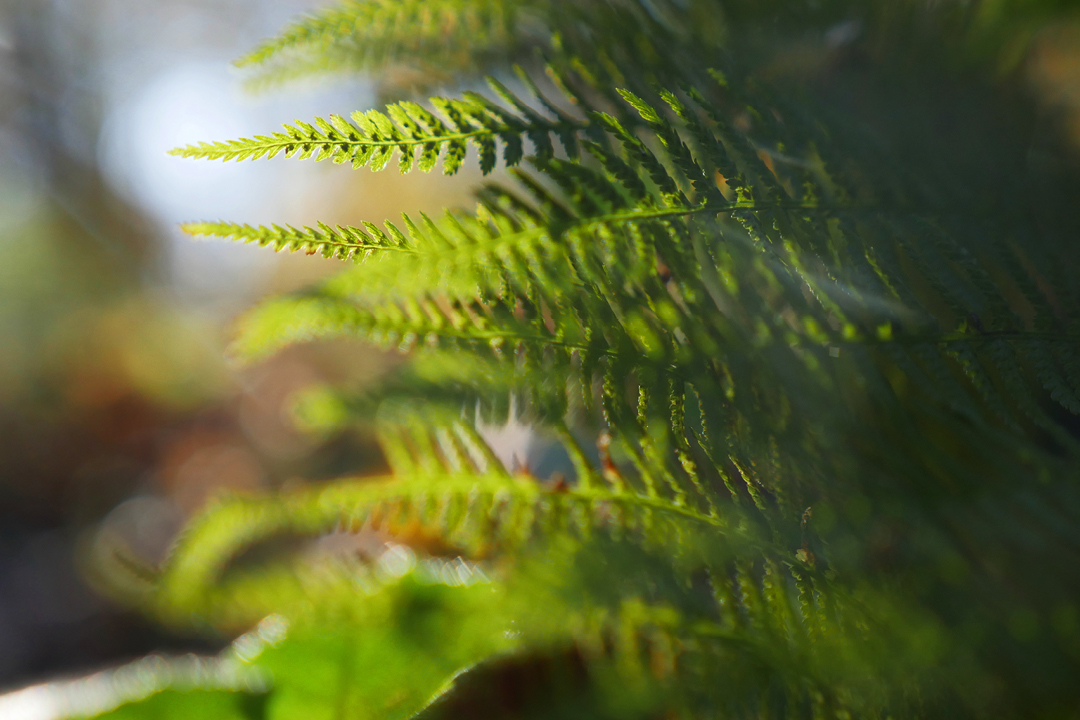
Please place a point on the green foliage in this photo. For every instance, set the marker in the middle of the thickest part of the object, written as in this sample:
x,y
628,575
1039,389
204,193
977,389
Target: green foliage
x,y
829,357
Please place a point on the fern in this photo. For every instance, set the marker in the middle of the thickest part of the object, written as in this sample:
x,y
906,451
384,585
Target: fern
x,y
829,362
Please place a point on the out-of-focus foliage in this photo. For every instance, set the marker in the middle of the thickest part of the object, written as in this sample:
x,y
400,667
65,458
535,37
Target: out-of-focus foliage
x,y
116,405
422,43
793,268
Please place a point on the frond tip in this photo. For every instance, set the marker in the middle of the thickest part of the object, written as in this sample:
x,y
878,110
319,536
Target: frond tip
x,y
343,242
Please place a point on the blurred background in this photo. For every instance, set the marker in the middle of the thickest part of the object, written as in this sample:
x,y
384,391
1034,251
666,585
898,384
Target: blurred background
x,y
119,411
120,414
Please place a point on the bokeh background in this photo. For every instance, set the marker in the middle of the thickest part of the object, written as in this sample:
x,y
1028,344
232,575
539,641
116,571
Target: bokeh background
x,y
120,412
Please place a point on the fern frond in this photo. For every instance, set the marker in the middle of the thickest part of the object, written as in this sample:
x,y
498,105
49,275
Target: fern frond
x,y
478,515
417,134
342,242
370,34
286,321
756,619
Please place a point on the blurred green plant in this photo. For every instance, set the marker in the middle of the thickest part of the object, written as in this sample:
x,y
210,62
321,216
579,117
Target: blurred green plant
x,y
791,268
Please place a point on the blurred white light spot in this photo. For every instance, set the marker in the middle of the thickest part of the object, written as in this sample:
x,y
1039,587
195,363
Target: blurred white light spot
x,y
191,103
203,101
512,442
144,525
397,560
843,33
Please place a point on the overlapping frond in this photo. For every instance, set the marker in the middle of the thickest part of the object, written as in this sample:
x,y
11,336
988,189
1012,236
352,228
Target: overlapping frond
x,y
425,43
695,592
587,264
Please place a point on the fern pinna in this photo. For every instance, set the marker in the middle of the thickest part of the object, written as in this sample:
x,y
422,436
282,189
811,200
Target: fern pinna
x,y
813,362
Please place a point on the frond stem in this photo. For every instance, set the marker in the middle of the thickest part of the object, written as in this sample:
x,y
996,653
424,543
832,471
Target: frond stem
x,y
215,149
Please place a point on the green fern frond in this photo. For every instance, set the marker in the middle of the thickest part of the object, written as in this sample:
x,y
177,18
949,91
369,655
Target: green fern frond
x,y
417,134
370,34
505,516
342,242
285,321
756,619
